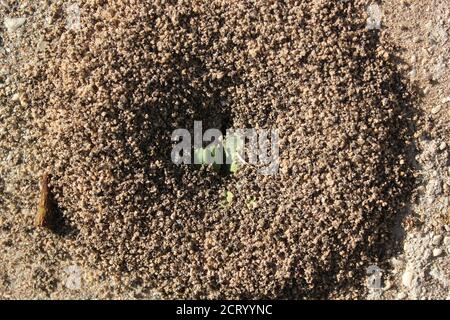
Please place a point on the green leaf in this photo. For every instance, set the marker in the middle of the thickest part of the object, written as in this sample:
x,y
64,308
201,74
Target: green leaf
x,y
234,167
251,204
229,196
199,156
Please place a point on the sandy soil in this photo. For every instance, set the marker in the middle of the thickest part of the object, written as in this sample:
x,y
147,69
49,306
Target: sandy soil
x,y
421,269
30,268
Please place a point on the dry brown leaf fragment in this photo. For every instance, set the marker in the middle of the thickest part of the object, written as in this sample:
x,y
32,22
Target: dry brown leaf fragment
x,y
45,209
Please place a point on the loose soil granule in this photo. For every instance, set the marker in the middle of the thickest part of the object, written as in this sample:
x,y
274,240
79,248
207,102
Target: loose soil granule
x,y
107,96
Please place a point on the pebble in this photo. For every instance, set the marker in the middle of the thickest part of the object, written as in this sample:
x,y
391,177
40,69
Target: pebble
x,y
447,241
445,100
5,4
12,24
375,15
407,279
437,240
15,97
27,212
437,252
442,146
436,109
401,296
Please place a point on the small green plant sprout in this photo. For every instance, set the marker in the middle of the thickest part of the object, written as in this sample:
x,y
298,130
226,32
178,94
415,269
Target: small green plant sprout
x,y
227,199
204,156
251,203
229,196
233,146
